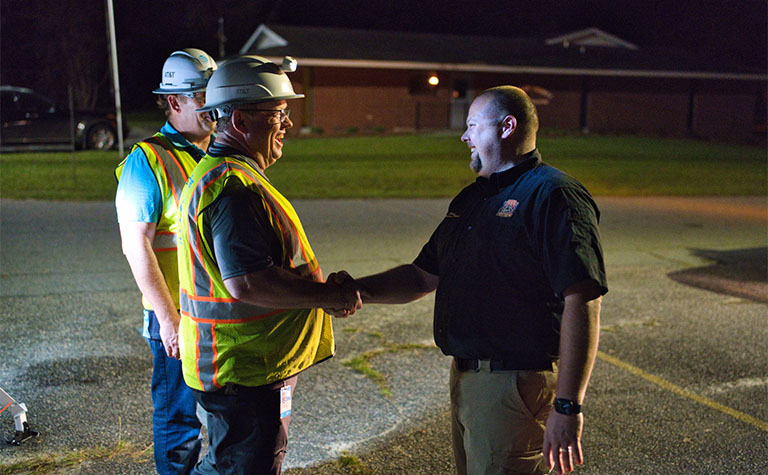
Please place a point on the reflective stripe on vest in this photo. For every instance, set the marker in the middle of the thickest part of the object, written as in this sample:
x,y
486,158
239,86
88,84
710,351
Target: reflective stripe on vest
x,y
222,310
164,241
176,176
174,170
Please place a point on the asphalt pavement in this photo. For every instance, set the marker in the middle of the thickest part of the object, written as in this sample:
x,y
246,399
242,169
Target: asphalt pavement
x,y
681,385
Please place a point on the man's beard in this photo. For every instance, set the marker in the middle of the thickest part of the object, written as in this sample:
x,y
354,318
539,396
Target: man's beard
x,y
476,164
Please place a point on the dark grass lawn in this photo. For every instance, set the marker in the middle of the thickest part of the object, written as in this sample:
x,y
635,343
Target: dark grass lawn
x,y
420,166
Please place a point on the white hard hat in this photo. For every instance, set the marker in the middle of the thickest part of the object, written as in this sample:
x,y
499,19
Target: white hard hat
x,y
187,70
248,79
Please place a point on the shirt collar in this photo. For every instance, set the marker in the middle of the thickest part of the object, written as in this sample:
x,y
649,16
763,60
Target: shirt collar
x,y
218,150
498,181
179,141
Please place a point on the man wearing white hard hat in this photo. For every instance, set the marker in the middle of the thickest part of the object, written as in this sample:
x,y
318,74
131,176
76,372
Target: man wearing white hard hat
x,y
252,292
150,180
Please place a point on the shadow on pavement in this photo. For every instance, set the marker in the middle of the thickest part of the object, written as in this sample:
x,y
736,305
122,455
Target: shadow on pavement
x,y
740,273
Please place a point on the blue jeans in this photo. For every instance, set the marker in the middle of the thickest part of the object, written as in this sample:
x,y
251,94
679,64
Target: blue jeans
x,y
175,427
247,433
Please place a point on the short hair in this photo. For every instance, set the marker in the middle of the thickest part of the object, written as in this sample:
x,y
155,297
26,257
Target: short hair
x,y
162,104
511,100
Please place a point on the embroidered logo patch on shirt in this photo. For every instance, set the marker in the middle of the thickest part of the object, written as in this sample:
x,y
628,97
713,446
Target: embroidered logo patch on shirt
x,y
507,209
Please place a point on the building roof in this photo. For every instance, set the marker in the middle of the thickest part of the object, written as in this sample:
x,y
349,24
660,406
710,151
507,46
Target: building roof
x,y
590,37
585,52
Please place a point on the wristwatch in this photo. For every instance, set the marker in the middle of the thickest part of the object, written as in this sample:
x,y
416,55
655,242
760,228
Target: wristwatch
x,y
567,407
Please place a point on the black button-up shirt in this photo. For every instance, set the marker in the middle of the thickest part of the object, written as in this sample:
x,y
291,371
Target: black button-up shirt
x,y
505,252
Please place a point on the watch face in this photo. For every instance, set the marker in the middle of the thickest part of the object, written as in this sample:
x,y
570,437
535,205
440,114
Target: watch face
x,y
567,407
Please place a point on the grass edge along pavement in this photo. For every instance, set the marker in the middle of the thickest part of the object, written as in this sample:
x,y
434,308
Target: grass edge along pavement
x,y
345,463
429,166
52,462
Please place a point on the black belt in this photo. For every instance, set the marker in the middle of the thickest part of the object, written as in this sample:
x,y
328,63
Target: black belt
x,y
463,364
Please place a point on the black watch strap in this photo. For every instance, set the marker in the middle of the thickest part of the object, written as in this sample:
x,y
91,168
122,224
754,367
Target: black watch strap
x,y
567,407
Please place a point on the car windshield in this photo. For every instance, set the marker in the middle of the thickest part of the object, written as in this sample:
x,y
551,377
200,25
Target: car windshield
x,y
34,103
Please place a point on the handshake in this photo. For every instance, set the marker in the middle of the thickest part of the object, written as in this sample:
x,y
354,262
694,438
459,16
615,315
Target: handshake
x,y
352,294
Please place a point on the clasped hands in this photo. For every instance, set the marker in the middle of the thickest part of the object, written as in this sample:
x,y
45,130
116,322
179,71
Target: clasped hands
x,y
352,294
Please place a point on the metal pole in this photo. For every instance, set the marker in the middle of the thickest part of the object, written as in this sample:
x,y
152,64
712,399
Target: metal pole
x,y
222,38
115,76
72,132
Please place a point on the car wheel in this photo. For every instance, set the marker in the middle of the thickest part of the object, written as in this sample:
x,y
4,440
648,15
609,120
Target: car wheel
x,y
100,137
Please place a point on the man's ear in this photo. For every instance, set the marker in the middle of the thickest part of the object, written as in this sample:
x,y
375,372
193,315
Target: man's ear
x,y
237,119
174,102
508,126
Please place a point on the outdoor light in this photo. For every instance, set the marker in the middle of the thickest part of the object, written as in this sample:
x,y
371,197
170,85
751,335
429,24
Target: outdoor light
x,y
433,80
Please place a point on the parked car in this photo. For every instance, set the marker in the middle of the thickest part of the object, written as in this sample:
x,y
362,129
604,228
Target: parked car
x,y
30,120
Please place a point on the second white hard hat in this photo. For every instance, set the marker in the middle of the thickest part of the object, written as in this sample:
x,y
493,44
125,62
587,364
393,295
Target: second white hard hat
x,y
186,71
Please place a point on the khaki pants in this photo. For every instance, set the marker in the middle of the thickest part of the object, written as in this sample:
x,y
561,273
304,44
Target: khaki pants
x,y
498,419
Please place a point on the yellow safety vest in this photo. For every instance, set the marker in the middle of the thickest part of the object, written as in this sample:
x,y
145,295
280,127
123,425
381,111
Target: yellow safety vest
x,y
222,339
171,167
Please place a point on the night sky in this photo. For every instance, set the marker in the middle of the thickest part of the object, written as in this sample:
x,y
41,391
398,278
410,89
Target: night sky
x,y
46,43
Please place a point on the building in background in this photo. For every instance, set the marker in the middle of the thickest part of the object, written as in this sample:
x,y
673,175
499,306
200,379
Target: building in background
x,y
588,80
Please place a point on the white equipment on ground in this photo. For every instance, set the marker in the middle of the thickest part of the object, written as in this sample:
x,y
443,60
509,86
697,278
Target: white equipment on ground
x,y
19,412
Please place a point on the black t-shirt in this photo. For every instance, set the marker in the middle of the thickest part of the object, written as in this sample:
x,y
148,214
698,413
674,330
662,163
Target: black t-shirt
x,y
238,226
505,252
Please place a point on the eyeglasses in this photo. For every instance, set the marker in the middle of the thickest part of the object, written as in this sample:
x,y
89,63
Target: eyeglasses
x,y
284,113
198,96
